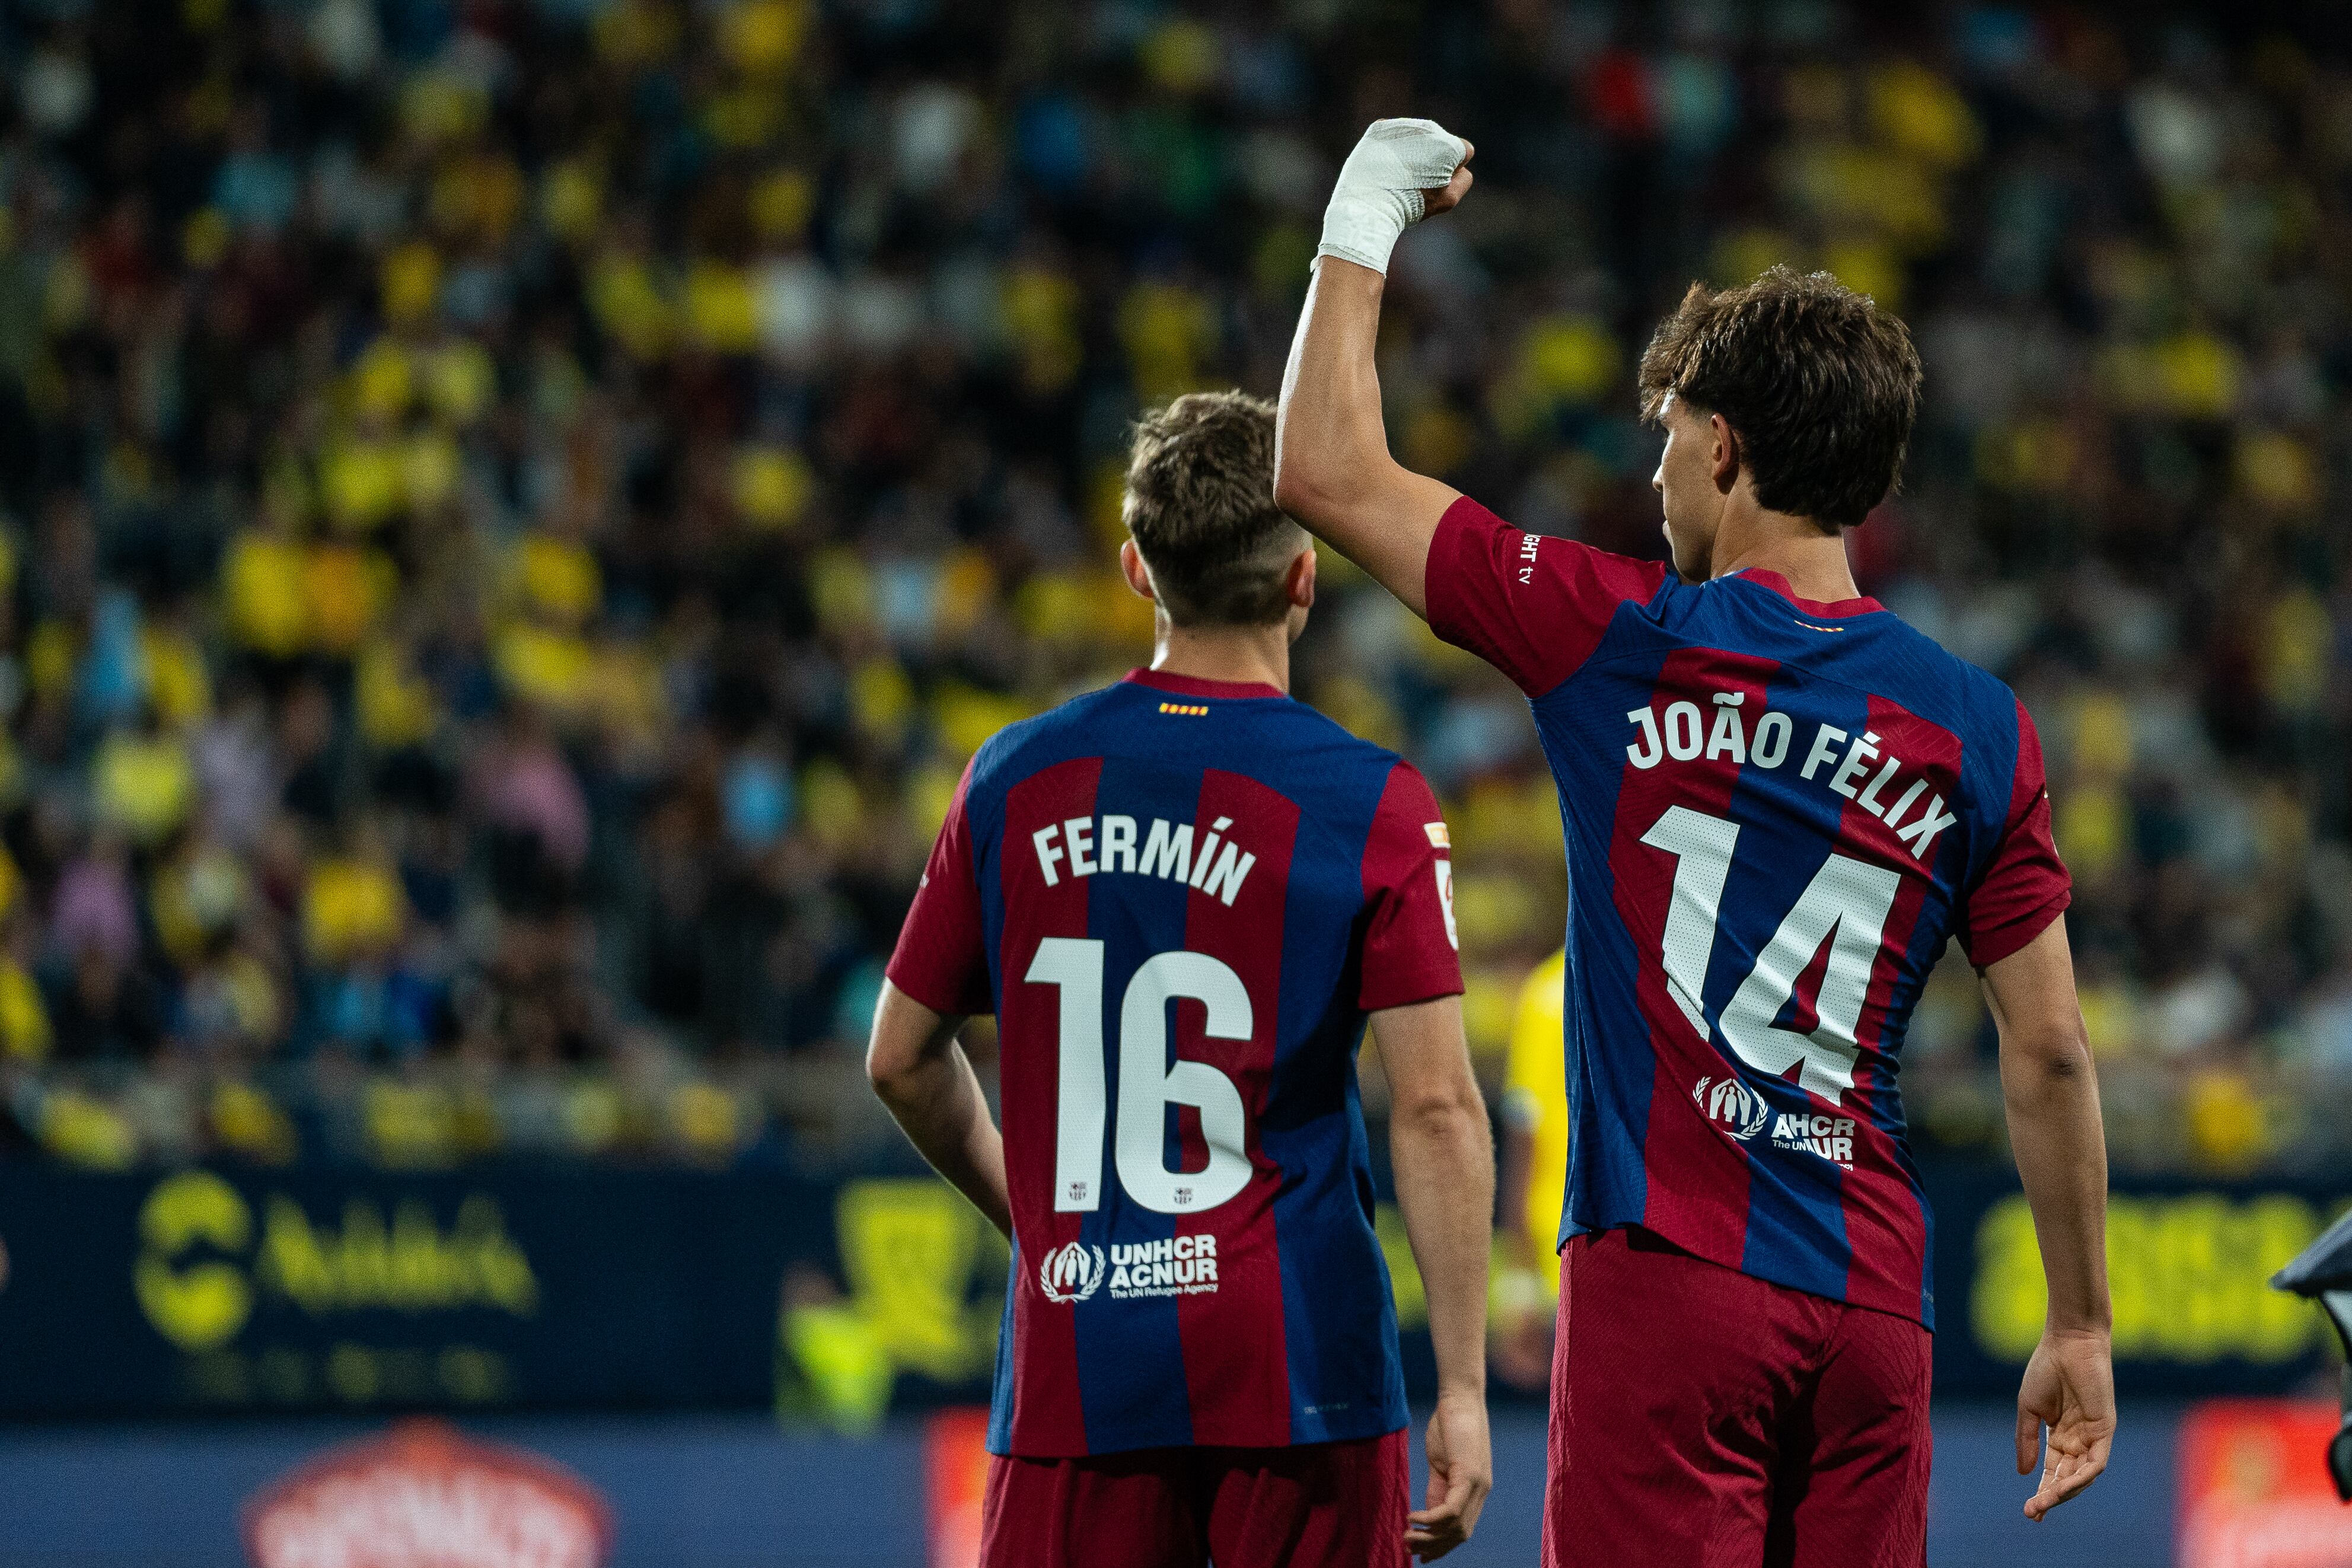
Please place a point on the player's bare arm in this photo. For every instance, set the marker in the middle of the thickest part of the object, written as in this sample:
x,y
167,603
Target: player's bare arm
x,y
1445,1162
1332,470
919,1069
2052,1096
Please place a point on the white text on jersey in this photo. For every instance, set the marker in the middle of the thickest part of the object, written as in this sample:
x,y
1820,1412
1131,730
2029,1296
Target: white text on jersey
x,y
1166,852
1856,768
1830,1137
1186,1266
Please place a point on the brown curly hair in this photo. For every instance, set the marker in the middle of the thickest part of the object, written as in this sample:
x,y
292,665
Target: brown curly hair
x,y
1818,383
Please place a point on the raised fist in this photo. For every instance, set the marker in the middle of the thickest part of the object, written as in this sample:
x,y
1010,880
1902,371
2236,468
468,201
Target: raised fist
x,y
1401,172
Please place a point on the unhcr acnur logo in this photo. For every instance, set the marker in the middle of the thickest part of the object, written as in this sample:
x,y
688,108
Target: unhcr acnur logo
x,y
1071,1273
1732,1105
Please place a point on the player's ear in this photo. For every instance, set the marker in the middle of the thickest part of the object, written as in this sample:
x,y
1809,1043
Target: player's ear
x,y
1138,576
1299,587
1724,455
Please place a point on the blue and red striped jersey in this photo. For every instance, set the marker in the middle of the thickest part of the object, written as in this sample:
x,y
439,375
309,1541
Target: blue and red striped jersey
x,y
1777,812
1180,897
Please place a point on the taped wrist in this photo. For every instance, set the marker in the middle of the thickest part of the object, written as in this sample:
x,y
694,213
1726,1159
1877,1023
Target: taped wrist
x,y
1379,195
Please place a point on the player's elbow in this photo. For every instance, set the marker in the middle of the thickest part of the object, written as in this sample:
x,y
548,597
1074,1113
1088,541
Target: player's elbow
x,y
1303,489
885,1068
1448,1111
1322,483
2052,1054
894,1052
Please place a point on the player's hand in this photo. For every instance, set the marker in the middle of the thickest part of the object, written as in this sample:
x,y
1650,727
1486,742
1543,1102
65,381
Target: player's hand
x,y
1401,172
1461,1473
2070,1388
1445,198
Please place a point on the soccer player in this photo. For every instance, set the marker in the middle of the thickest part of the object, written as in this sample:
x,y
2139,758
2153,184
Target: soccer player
x,y
1780,802
1182,896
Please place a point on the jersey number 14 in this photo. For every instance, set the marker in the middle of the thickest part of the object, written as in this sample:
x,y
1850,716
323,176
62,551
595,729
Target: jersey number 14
x,y
1847,896
1148,1082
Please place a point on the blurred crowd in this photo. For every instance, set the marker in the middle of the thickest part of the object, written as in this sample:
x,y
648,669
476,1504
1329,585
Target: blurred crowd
x,y
514,512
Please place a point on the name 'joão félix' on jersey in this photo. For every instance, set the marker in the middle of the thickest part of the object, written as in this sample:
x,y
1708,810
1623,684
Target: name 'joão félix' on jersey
x,y
1856,768
1089,847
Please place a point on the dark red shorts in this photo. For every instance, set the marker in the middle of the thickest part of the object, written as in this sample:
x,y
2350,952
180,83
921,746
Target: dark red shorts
x,y
1701,1418
1314,1505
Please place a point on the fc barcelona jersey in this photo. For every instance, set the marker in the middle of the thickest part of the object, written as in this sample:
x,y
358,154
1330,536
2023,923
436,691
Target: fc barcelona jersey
x,y
1777,813
1180,897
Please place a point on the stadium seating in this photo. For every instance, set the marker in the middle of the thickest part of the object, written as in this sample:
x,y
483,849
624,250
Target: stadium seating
x,y
515,515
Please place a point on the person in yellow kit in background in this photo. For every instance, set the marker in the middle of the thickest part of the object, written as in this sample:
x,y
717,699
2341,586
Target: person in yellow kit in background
x,y
1532,1177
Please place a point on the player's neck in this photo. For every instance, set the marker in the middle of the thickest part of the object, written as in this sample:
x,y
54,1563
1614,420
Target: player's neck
x,y
1813,562
1250,655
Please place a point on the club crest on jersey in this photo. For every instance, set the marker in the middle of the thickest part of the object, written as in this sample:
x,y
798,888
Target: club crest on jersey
x,y
1071,1273
1732,1105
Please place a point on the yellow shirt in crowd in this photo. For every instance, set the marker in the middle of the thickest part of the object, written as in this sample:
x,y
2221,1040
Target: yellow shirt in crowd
x,y
1535,1101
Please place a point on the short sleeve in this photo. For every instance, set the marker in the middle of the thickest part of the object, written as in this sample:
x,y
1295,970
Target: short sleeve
x,y
942,960
1411,951
1532,606
2026,886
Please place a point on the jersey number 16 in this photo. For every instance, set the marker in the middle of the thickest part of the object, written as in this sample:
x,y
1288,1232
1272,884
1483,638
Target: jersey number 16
x,y
1148,1082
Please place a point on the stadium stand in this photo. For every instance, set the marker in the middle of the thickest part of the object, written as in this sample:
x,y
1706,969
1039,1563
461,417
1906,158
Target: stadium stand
x,y
515,515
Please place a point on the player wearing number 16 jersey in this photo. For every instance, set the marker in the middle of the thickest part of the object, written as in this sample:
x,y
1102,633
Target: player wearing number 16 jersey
x,y
1780,802
1181,895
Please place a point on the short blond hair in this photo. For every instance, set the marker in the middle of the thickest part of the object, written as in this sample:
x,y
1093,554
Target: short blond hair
x,y
1199,506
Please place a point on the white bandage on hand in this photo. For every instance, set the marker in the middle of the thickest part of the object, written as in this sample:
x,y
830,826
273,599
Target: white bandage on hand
x,y
1379,194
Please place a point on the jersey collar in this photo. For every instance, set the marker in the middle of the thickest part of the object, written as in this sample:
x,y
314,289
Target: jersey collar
x,y
1194,686
1828,609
